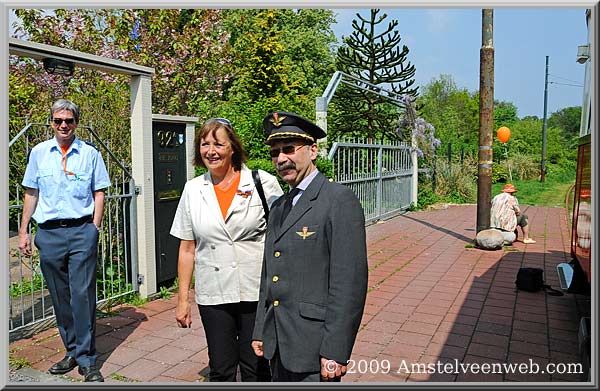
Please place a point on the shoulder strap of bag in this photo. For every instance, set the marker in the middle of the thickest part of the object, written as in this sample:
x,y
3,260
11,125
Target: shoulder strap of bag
x,y
551,291
261,192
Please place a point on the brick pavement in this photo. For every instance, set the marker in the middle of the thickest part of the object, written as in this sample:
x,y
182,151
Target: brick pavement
x,y
433,299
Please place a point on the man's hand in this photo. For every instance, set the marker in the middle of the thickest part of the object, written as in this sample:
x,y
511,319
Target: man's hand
x,y
258,348
25,244
331,369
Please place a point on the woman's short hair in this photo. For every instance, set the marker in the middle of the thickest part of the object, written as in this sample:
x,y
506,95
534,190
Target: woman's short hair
x,y
210,127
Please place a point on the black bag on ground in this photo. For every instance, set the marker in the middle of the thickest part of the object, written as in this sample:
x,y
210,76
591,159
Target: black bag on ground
x,y
531,279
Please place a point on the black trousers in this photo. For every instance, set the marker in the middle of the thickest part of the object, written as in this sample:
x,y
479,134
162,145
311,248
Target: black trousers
x,y
228,329
281,374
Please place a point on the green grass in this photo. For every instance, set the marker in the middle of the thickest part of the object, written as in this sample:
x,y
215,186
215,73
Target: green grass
x,y
18,363
549,193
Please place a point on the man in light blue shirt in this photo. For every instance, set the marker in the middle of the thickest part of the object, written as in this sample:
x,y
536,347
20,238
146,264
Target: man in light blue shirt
x,y
65,181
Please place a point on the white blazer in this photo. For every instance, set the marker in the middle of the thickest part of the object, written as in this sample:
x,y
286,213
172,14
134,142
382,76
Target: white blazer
x,y
229,252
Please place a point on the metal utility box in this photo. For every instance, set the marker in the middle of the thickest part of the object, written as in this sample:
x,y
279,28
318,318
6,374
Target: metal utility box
x,y
170,175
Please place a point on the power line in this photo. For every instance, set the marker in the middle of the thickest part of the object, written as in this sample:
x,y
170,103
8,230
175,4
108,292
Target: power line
x,y
565,84
558,77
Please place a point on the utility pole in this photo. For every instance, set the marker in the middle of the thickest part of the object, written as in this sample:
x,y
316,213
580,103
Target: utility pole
x,y
543,166
486,119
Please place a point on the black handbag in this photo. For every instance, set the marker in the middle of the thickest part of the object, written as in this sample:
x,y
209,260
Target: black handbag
x,y
531,279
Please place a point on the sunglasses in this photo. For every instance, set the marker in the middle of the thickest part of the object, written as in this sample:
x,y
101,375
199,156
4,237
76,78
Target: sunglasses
x,y
287,150
59,121
223,121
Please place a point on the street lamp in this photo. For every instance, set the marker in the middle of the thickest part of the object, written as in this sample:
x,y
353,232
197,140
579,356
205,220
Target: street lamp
x,y
59,67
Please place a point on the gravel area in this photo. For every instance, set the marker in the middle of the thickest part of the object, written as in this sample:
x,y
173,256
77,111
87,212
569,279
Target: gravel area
x,y
31,375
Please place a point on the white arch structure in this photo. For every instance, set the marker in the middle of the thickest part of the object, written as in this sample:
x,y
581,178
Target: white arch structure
x,y
142,246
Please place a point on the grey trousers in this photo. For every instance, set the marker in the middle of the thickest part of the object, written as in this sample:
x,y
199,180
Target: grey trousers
x,y
68,257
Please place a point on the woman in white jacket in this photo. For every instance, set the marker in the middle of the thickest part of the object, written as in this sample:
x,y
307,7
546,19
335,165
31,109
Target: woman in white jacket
x,y
221,223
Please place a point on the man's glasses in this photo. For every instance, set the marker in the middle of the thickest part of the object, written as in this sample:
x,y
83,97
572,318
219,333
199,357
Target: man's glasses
x,y
287,150
59,121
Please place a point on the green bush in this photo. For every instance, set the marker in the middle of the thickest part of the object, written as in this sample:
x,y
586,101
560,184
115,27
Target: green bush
x,y
499,173
425,197
523,166
455,182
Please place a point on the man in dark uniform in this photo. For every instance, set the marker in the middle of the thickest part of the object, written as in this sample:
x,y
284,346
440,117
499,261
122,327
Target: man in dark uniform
x,y
314,277
64,182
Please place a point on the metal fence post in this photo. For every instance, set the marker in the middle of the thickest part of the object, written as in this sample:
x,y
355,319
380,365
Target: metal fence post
x,y
379,178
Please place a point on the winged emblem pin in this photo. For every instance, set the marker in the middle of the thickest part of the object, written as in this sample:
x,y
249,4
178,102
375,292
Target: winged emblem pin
x,y
276,120
305,233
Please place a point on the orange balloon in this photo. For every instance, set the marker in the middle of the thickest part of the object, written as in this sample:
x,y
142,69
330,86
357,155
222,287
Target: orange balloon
x,y
503,134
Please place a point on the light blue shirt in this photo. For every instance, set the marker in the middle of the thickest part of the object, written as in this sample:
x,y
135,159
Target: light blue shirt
x,y
63,196
303,185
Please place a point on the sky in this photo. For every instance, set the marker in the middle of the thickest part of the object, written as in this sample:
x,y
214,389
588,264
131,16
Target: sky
x,y
448,41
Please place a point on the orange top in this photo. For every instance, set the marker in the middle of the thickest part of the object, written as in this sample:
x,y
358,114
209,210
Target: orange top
x,y
225,197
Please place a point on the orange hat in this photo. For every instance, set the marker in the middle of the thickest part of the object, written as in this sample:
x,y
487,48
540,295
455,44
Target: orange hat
x,y
509,188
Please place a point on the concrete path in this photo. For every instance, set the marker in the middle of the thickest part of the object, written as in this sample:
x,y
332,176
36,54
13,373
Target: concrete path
x,y
437,310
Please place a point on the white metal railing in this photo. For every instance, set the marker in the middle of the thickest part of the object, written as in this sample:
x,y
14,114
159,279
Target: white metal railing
x,y
381,175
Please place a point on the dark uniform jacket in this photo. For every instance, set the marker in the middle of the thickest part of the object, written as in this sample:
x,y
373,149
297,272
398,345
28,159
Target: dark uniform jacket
x,y
314,278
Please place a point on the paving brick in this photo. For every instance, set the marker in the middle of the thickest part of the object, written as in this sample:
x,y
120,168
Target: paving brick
x,y
445,351
149,343
397,352
494,328
410,338
169,355
377,337
160,305
143,370
124,356
117,322
451,339
34,353
490,339
540,350
529,336
367,349
419,327
434,319
380,325
487,351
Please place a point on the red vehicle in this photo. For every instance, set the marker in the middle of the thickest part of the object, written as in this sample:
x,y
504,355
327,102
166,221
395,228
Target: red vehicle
x,y
581,238
581,233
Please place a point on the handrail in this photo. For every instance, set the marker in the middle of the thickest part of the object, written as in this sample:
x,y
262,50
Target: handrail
x,y
24,130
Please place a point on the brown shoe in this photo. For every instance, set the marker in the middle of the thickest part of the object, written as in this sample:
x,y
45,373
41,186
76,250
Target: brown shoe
x,y
63,366
91,374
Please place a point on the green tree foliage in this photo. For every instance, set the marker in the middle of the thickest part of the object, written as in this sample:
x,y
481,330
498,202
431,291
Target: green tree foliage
x,y
505,114
372,54
569,121
286,79
453,112
280,53
239,64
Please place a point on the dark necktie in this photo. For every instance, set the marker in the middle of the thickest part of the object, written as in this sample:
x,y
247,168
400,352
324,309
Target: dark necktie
x,y
287,205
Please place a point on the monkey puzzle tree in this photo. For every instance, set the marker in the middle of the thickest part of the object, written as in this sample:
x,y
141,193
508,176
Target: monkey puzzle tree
x,y
376,56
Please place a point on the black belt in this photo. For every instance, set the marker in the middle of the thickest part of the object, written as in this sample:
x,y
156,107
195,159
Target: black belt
x,y
65,223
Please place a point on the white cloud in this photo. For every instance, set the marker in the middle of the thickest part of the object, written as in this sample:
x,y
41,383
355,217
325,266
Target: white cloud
x,y
437,21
